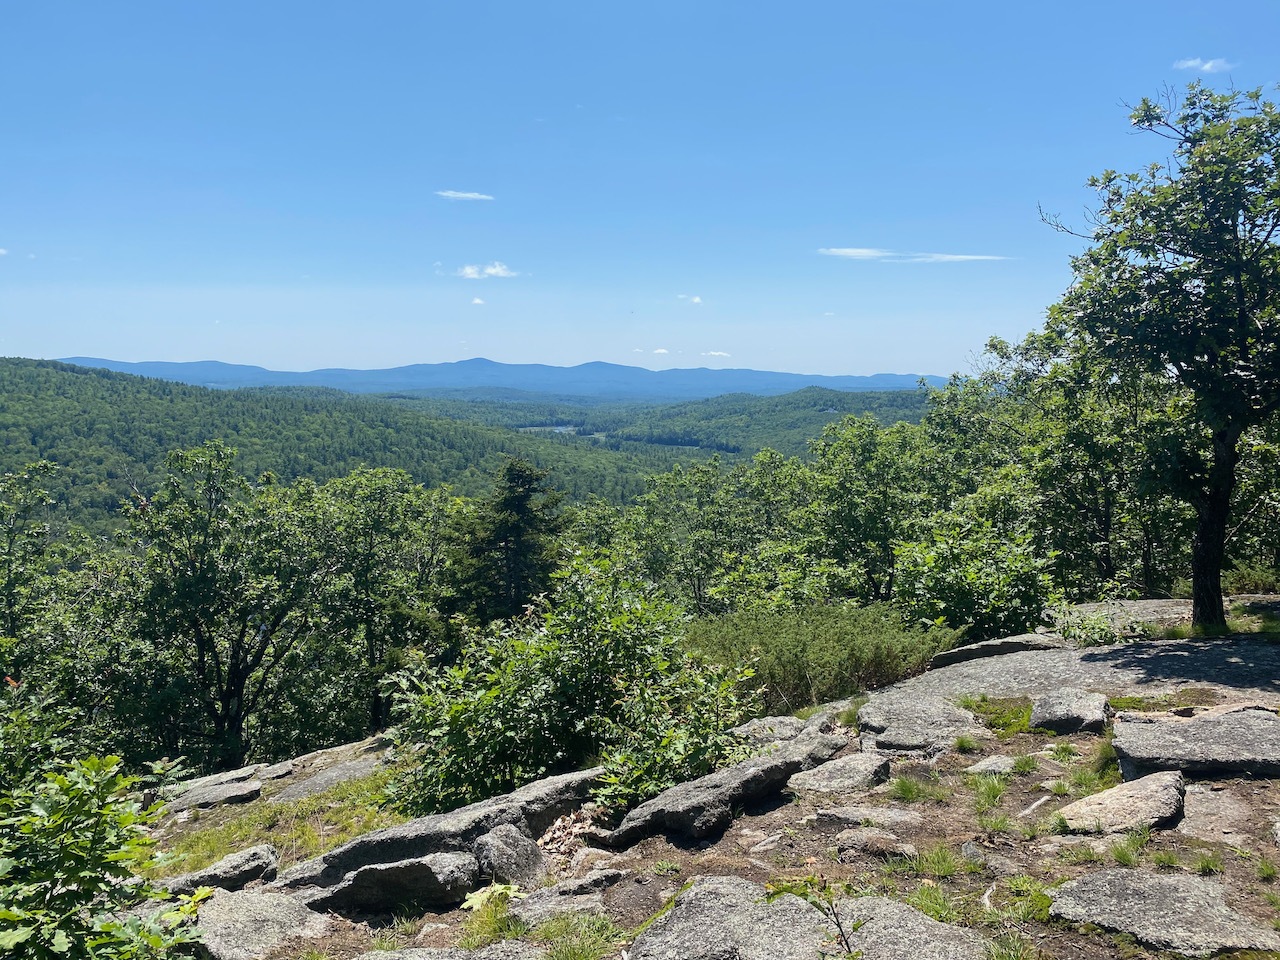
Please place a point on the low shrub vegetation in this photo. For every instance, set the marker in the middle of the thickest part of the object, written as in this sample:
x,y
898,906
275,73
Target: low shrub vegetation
x,y
819,653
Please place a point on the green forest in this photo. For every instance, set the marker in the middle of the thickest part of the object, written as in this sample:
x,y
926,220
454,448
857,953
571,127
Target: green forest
x,y
250,575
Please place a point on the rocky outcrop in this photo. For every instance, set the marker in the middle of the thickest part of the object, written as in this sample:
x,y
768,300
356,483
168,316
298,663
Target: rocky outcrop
x,y
874,842
507,855
343,772
1152,801
215,795
992,648
1242,738
1069,711
230,873
851,774
882,929
531,809
727,917
1167,911
704,806
577,895
436,880
898,723
892,818
249,925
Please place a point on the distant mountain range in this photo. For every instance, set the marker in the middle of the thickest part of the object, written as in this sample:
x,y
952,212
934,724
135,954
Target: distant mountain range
x,y
599,380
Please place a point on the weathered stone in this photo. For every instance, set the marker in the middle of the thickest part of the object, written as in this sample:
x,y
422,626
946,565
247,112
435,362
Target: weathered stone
x,y
1167,911
884,929
229,873
533,807
995,765
896,723
857,771
867,815
1215,815
1237,738
436,880
704,806
765,730
329,777
507,855
249,925
1152,801
719,918
579,895
276,771
992,648
202,798
874,842
1069,710
218,779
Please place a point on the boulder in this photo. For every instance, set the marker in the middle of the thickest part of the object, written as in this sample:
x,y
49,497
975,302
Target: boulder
x,y
1233,739
884,929
995,765
229,873
532,808
704,806
436,880
1168,911
892,818
508,855
329,777
215,795
1152,801
857,771
1069,710
719,918
218,779
766,730
579,895
992,648
899,722
874,842
248,925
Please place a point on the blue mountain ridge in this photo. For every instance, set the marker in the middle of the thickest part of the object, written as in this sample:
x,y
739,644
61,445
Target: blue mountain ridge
x,y
596,379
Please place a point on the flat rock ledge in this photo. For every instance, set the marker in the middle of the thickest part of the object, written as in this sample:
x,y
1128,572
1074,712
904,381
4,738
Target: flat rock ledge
x,y
1241,738
578,895
248,925
993,648
890,930
1151,801
215,795
892,818
704,806
436,856
852,774
903,722
1167,911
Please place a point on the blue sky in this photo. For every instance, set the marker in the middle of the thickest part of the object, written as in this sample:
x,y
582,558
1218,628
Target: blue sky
x,y
820,187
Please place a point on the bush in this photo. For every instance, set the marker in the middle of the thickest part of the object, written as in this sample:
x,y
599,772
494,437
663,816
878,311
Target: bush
x,y
69,838
970,575
1247,579
818,654
596,671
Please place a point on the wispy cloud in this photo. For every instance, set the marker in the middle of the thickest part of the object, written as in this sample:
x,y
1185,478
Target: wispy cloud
x,y
685,296
662,350
476,271
1216,65
3,252
897,256
476,301
460,195
716,353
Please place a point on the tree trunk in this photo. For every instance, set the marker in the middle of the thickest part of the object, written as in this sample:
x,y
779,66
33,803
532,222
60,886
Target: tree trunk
x,y
1209,544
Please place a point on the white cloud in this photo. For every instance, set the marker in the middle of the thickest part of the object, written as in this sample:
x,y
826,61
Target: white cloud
x,y
685,296
895,256
477,301
475,271
1216,65
3,252
829,313
662,350
459,195
716,353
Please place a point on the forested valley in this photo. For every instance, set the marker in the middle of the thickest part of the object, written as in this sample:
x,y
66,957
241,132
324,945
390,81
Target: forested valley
x,y
320,567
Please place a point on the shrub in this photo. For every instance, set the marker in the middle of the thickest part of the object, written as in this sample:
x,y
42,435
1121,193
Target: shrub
x,y
968,574
596,670
818,654
70,836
